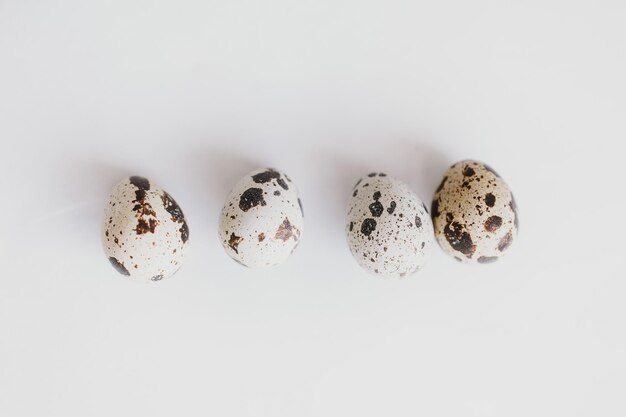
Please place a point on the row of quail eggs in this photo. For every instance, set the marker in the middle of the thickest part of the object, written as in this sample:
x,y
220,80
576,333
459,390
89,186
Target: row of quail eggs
x,y
389,229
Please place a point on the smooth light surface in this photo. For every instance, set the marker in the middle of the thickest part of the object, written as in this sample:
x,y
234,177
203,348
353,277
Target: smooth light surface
x,y
194,94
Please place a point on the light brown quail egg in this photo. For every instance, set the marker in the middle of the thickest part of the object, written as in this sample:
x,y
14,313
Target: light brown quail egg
x,y
474,213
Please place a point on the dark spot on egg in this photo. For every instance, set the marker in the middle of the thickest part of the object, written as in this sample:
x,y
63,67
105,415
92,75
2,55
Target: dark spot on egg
x,y
142,208
505,242
490,200
172,208
487,259
261,237
493,223
140,182
418,221
392,207
234,241
458,238
252,197
142,185
119,267
157,277
286,231
368,226
376,208
270,174
468,171
282,183
145,226
184,232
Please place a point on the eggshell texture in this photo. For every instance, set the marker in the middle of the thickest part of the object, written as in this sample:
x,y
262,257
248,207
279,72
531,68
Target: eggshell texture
x,y
388,227
262,220
474,213
145,233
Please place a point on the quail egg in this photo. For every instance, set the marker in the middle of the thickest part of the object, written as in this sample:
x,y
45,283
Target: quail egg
x,y
262,221
145,234
474,213
388,227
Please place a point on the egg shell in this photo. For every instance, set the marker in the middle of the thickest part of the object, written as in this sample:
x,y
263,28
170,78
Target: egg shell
x,y
474,213
262,221
388,227
145,234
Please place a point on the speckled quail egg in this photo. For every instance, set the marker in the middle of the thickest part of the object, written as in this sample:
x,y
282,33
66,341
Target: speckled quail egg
x,y
388,227
261,223
474,213
145,233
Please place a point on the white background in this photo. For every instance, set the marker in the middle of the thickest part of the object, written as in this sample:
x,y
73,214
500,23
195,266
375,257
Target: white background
x,y
194,94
